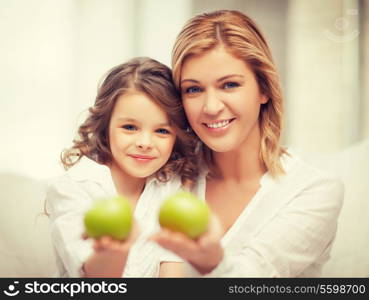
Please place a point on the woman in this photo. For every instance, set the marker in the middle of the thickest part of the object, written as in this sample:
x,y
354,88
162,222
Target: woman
x,y
275,216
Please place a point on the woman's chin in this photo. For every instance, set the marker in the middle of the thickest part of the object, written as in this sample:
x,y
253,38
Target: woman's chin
x,y
221,147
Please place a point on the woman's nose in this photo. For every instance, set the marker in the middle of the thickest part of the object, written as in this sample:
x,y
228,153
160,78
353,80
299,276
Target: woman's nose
x,y
213,105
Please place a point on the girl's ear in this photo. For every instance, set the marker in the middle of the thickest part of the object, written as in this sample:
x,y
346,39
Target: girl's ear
x,y
264,99
186,185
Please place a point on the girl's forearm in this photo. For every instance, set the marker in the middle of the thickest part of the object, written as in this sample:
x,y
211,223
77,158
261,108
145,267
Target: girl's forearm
x,y
104,265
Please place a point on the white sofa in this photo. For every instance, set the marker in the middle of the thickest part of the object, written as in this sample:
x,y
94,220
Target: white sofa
x,y
25,247
26,251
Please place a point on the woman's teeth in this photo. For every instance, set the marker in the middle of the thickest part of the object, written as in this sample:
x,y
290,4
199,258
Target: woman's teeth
x,y
218,124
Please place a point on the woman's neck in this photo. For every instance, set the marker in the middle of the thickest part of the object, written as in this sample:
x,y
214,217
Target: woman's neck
x,y
242,164
127,186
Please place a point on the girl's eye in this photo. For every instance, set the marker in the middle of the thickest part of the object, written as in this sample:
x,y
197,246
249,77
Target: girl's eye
x,y
162,131
129,127
192,90
230,85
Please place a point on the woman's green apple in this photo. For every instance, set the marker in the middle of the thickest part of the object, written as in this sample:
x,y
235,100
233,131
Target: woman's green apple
x,y
111,216
186,213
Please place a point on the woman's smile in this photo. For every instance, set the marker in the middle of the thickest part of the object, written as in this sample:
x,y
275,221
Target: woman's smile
x,y
219,126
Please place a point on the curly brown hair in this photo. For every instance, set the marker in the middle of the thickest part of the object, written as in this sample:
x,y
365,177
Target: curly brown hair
x,y
154,79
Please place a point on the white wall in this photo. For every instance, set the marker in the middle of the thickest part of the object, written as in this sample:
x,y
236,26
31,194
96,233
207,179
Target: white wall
x,y
36,82
157,23
323,100
364,116
54,53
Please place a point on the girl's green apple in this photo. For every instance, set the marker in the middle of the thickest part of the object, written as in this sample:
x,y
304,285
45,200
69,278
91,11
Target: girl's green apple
x,y
186,213
111,216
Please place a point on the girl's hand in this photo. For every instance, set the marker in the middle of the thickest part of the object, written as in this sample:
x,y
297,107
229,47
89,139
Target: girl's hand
x,y
108,244
110,256
204,253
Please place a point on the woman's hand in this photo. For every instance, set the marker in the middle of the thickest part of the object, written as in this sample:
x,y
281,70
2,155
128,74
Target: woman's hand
x,y
204,253
110,255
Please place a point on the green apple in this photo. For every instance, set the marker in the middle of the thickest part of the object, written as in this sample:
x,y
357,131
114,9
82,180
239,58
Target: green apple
x,y
186,213
109,216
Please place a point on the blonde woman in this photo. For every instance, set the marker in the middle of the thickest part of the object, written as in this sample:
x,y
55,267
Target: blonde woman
x,y
275,216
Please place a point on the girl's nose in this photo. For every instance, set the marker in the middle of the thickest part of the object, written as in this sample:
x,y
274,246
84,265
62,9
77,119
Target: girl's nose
x,y
144,143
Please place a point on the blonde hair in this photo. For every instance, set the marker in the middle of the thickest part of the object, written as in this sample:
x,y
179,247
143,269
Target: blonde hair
x,y
154,79
242,38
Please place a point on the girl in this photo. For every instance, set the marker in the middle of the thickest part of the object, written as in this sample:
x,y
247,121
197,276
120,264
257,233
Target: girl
x,y
132,143
277,216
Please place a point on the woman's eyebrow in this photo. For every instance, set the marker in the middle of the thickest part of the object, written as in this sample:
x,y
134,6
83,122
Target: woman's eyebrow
x,y
219,79
190,80
230,76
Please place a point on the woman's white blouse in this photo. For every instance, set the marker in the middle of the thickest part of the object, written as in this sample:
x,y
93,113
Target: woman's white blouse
x,y
287,229
72,194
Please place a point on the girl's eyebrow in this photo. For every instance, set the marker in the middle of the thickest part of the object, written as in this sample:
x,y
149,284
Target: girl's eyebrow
x,y
164,125
218,80
126,119
136,121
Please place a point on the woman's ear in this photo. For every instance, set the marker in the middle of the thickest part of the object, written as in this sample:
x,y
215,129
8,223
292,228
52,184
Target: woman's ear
x,y
264,99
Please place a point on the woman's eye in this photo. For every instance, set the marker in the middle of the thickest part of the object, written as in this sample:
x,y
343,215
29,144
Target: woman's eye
x,y
230,85
129,127
192,90
163,131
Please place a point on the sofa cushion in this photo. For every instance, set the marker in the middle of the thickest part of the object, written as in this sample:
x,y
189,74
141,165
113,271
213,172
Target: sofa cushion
x,y
350,254
25,245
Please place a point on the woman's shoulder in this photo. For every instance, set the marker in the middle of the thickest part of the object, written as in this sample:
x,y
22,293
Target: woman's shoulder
x,y
304,178
298,169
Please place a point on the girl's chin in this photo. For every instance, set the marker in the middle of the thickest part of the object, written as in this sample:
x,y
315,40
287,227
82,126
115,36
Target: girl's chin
x,y
142,175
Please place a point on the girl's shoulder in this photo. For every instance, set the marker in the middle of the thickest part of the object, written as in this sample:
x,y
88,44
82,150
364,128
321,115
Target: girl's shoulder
x,y
86,179
162,189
